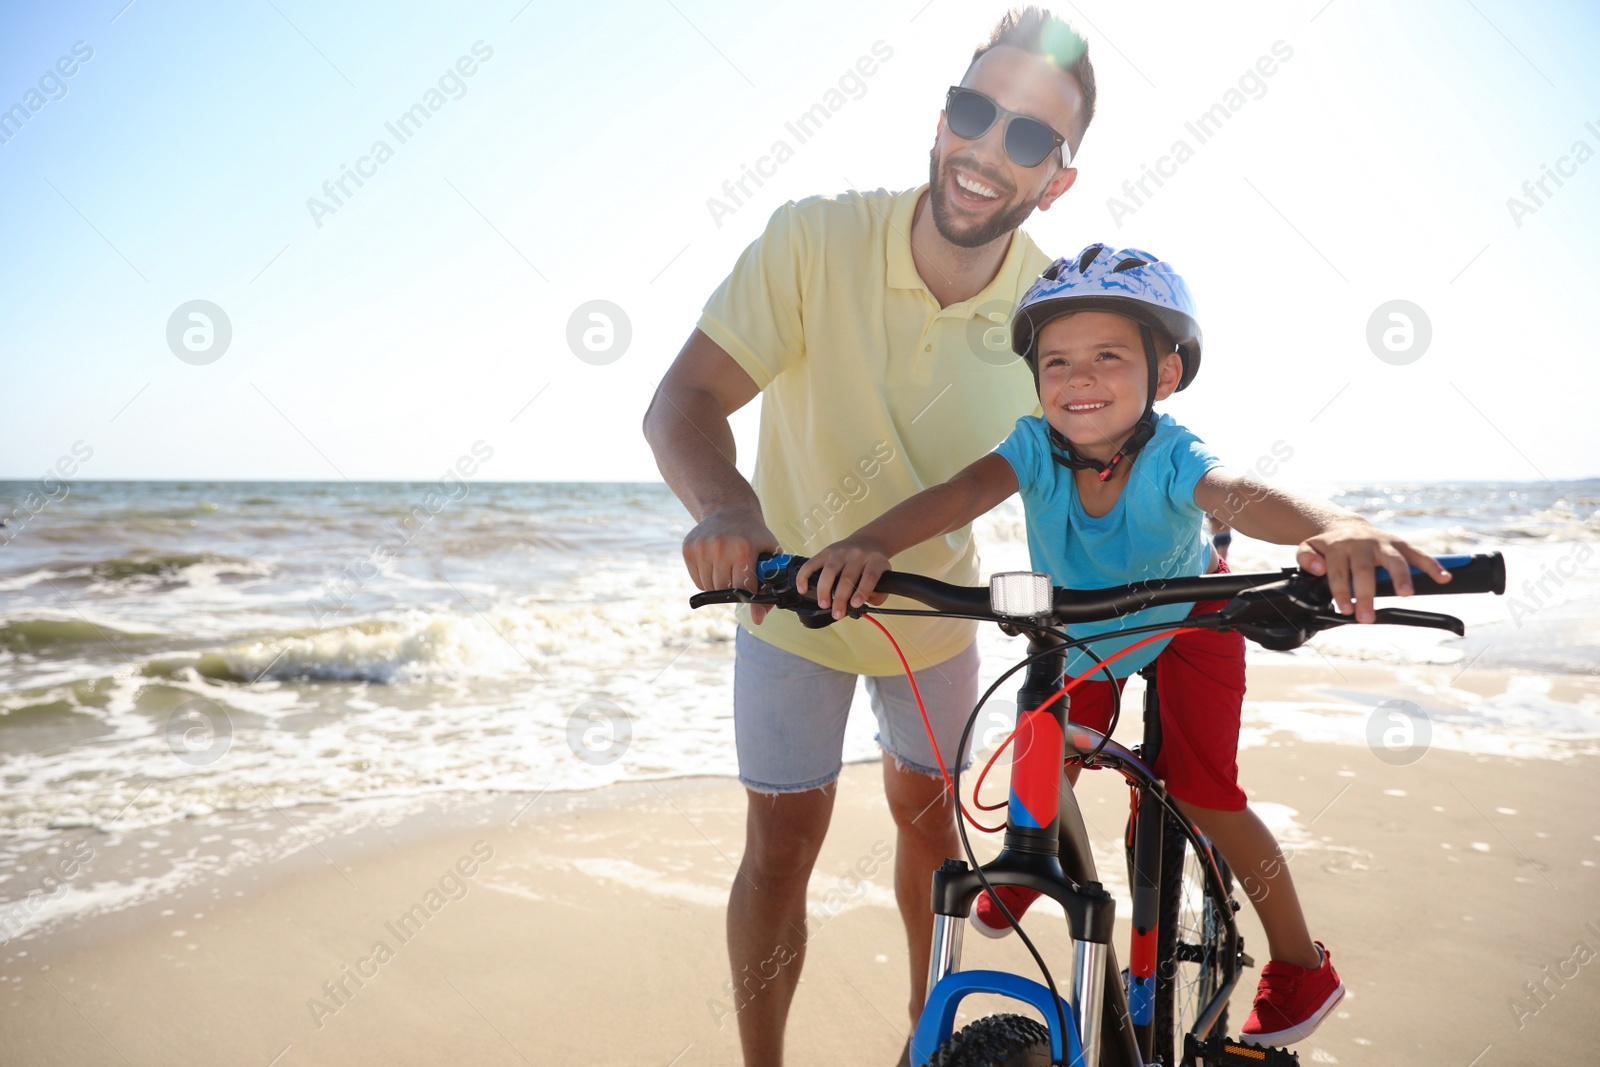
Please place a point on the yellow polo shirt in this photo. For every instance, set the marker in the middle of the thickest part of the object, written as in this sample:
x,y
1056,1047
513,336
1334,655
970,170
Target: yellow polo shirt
x,y
870,393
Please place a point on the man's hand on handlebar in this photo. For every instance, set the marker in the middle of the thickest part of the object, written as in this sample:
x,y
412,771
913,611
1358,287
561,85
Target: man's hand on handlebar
x,y
849,573
721,552
1348,552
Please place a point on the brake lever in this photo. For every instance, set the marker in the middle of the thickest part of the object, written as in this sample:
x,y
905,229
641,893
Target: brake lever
x,y
1286,614
735,596
1399,617
718,596
776,575
1286,632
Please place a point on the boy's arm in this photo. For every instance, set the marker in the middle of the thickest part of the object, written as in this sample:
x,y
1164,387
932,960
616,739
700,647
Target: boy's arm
x,y
1332,541
850,568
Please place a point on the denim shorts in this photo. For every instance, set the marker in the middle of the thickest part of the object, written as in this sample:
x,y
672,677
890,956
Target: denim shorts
x,y
789,715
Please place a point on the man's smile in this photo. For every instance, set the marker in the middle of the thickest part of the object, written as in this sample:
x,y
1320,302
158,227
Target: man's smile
x,y
969,189
976,187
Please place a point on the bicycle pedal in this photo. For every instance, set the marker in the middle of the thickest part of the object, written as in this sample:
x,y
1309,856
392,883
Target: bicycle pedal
x,y
1226,1052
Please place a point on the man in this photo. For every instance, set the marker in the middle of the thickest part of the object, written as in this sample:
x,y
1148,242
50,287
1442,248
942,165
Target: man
x,y
860,320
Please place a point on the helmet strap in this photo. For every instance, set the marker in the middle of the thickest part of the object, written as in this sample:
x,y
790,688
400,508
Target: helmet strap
x,y
1063,454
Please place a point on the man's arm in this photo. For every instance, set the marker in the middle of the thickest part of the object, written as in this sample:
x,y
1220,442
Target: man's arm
x,y
1331,540
687,428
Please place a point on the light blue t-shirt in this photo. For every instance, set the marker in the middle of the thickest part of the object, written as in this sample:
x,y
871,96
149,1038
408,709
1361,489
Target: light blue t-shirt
x,y
1154,531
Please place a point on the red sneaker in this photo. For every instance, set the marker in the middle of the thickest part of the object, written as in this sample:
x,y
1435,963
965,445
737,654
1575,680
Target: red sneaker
x,y
987,918
1291,1001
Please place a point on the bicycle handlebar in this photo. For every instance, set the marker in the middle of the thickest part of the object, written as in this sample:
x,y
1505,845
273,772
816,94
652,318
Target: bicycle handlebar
x,y
1278,609
1469,574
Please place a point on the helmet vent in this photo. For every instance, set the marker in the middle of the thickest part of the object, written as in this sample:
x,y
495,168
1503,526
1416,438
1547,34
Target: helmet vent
x,y
1089,255
1128,264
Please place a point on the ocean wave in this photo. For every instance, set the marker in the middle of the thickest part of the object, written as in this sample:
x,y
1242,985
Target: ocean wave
x,y
426,645
168,566
31,706
40,635
167,514
141,568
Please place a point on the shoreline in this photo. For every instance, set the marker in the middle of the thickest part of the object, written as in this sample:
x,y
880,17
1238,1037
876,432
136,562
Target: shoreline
x,y
1356,706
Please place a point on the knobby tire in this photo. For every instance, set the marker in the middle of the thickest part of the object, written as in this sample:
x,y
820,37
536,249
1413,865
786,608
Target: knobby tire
x,y
996,1041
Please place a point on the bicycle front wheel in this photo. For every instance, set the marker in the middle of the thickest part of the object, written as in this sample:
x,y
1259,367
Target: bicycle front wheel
x,y
996,1041
1196,949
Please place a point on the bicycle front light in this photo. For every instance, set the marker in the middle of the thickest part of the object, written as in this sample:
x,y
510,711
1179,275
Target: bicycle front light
x,y
1020,594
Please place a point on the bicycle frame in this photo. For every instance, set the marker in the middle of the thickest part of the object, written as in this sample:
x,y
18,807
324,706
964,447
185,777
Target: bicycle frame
x,y
1040,832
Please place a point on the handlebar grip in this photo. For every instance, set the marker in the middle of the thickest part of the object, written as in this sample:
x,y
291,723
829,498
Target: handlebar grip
x,y
1485,573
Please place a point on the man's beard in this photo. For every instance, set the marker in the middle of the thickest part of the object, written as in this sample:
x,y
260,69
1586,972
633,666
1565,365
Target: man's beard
x,y
944,217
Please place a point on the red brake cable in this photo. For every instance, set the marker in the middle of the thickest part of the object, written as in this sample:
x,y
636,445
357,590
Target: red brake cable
x,y
1059,693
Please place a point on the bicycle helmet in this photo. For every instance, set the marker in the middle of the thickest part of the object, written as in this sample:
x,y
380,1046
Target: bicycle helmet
x,y
1128,282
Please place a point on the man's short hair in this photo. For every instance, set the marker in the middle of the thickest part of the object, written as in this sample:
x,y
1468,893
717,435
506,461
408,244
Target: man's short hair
x,y
1037,31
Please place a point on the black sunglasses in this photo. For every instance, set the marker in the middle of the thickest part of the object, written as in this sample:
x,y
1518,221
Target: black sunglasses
x,y
969,114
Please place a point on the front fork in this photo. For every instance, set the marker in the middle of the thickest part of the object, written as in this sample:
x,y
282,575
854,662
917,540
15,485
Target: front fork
x,y
1029,858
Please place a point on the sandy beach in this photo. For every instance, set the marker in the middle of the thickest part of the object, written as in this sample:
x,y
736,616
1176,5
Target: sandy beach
x,y
587,928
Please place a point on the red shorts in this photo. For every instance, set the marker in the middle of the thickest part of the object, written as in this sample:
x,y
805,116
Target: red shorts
x,y
1200,683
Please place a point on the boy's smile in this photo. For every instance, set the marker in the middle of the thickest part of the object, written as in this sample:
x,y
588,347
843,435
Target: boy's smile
x,y
1093,381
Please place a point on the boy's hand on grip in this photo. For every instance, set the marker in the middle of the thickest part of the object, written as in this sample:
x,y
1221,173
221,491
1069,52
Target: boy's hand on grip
x,y
847,574
1350,552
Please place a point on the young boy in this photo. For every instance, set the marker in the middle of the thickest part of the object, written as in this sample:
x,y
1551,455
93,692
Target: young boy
x,y
1115,494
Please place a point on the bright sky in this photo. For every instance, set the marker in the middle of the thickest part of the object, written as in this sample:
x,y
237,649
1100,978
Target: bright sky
x,y
429,308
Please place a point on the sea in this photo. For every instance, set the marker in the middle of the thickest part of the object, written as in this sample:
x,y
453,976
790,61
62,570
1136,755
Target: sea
x,y
180,651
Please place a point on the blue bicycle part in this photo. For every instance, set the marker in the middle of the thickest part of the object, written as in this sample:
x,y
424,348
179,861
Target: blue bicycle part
x,y
773,566
939,1013
1141,1000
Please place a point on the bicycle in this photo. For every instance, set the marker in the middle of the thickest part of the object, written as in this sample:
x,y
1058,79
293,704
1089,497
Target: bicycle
x,y
1170,1006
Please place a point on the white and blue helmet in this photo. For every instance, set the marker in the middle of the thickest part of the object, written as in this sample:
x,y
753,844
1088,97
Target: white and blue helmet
x,y
1127,282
